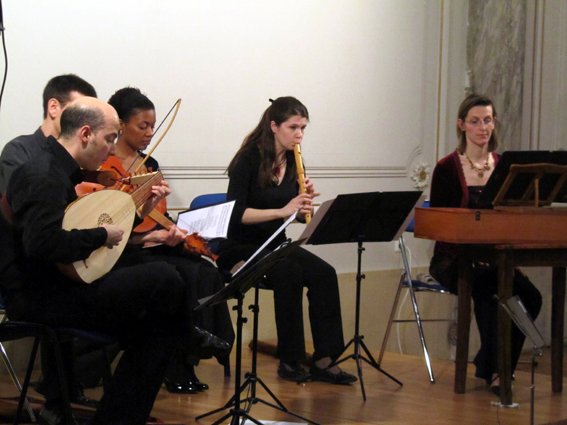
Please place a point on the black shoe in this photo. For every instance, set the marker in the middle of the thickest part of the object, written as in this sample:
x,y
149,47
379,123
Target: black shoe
x,y
293,371
206,345
194,381
190,385
79,397
53,417
325,375
186,387
493,385
201,386
495,389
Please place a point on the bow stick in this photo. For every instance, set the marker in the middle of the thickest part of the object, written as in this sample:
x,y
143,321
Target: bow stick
x,y
175,107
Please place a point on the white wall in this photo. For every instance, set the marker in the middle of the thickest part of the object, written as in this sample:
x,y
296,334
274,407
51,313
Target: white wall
x,y
382,80
366,69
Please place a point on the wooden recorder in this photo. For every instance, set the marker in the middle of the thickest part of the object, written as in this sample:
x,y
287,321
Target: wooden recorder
x,y
300,174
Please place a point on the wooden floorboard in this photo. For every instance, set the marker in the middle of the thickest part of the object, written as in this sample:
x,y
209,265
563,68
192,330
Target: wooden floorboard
x,y
417,402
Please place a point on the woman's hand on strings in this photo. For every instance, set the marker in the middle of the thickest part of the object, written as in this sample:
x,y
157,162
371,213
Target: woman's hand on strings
x,y
172,237
159,192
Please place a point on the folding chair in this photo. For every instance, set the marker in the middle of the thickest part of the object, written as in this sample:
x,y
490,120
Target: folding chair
x,y
413,286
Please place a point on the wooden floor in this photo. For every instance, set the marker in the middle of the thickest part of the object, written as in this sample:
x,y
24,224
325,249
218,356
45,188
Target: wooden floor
x,y
417,402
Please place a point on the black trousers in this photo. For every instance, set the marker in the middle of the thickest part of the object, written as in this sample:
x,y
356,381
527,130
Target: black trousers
x,y
486,311
202,279
287,279
144,306
485,286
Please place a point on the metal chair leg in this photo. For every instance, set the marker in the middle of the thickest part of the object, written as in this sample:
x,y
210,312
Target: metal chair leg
x,y
416,309
390,323
12,373
16,381
27,378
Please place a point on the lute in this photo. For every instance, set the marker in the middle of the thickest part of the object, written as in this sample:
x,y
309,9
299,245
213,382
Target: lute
x,y
105,207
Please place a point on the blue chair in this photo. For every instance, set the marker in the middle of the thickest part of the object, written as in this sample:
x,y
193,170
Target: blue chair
x,y
207,199
424,284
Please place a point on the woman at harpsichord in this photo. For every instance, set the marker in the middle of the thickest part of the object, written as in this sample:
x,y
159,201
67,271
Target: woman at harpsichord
x,y
458,180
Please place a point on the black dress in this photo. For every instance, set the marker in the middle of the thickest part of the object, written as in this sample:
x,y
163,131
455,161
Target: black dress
x,y
289,277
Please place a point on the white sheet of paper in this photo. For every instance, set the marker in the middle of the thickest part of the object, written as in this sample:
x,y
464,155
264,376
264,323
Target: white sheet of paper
x,y
209,222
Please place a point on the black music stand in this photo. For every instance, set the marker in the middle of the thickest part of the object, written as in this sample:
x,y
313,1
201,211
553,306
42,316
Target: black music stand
x,y
518,313
252,378
236,289
525,178
361,217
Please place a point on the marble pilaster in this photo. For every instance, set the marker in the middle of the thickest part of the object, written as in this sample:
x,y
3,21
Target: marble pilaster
x,y
496,36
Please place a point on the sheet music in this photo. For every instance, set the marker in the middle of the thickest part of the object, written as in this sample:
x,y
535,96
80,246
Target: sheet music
x,y
265,244
209,222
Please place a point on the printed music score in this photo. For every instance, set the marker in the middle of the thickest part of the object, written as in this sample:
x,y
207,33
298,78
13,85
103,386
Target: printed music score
x,y
209,222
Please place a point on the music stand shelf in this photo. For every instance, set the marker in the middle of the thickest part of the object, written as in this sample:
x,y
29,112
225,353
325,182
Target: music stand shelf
x,y
361,218
527,178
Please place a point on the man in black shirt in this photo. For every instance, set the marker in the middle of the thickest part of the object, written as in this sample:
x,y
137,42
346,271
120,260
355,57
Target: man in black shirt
x,y
145,306
58,92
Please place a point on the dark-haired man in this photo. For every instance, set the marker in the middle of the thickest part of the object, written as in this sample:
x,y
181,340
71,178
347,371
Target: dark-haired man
x,y
58,92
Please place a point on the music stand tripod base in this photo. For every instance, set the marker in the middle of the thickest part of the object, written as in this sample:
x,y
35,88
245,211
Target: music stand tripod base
x,y
236,289
358,340
252,378
360,218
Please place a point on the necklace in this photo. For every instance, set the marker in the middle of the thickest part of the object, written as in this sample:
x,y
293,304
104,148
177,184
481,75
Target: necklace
x,y
479,170
279,165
